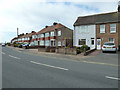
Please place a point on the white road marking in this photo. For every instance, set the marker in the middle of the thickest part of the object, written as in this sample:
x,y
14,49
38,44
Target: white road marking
x,y
114,78
14,57
49,65
3,53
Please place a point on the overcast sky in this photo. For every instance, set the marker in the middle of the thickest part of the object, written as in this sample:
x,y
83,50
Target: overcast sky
x,y
33,15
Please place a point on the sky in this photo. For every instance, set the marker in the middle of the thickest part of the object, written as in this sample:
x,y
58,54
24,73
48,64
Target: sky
x,y
34,15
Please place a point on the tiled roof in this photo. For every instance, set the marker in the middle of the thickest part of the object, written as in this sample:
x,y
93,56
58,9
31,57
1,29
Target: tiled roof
x,y
28,35
98,18
50,28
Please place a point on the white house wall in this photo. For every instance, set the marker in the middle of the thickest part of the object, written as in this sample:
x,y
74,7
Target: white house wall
x,y
81,33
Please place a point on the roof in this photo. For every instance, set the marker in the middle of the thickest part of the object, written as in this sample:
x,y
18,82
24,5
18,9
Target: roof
x,y
29,34
50,28
98,18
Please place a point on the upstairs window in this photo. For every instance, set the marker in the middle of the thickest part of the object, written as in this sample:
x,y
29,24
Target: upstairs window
x,y
59,33
46,34
102,28
52,33
42,35
112,28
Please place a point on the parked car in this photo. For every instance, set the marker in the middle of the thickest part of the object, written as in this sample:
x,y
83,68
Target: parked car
x,y
3,44
109,46
23,45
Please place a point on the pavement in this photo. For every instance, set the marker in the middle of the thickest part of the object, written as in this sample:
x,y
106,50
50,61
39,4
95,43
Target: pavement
x,y
22,69
95,57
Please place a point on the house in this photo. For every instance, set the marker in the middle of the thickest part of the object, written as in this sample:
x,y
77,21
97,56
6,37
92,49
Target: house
x,y
94,30
23,38
84,32
56,35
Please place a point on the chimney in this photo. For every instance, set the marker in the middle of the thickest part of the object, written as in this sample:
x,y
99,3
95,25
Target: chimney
x,y
55,23
33,31
46,26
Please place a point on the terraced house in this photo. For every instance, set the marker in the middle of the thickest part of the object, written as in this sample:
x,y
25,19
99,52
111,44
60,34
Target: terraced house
x,y
56,35
23,38
94,30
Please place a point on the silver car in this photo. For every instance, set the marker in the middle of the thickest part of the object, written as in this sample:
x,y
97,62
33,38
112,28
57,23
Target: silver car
x,y
109,46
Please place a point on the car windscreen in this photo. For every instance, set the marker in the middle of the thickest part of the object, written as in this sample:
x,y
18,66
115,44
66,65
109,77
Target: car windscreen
x,y
108,43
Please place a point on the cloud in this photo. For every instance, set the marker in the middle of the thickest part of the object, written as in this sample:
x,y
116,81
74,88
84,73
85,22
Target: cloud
x,y
30,15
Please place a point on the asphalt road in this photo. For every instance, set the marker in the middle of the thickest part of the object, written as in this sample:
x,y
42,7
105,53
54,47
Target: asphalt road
x,y
23,70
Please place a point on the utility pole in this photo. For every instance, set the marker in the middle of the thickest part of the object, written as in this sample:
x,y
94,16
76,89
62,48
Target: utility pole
x,y
17,33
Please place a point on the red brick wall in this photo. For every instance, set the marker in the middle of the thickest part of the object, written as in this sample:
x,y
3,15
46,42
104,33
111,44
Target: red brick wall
x,y
105,36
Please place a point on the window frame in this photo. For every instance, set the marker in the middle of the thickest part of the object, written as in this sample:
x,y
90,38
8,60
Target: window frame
x,y
81,40
113,28
101,29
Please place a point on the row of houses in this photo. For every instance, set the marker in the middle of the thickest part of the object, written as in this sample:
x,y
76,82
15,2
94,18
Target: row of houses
x,y
56,35
92,30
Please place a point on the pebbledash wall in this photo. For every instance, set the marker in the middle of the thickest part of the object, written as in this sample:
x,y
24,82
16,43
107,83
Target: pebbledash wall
x,y
94,30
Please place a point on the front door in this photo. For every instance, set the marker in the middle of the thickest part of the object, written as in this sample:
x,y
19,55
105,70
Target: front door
x,y
52,43
92,43
98,44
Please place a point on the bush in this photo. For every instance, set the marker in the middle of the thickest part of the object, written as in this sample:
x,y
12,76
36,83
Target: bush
x,y
82,49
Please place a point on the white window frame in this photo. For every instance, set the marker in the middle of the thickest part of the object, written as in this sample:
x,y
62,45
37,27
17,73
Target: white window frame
x,y
42,35
102,30
59,33
112,27
47,34
52,33
59,43
42,42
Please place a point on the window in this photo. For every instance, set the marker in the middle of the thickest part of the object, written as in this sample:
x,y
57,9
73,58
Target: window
x,y
59,43
102,28
59,33
46,34
111,39
82,41
47,43
42,42
42,35
92,42
36,42
52,34
112,28
39,35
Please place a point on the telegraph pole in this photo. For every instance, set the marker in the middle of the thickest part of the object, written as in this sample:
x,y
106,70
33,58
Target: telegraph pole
x,y
17,32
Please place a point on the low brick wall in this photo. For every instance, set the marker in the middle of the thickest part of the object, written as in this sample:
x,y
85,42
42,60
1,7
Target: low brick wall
x,y
66,51
88,52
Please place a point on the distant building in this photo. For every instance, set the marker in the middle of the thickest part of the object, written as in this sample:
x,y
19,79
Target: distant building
x,y
56,35
94,30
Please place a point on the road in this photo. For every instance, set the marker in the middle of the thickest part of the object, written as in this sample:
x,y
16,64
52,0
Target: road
x,y
24,70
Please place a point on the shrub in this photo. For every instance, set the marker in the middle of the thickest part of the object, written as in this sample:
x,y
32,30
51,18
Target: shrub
x,y
82,49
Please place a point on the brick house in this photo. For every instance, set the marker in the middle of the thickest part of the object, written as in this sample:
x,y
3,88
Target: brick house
x,y
94,30
56,35
23,38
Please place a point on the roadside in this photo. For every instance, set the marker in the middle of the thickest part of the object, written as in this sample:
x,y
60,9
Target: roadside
x,y
96,57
